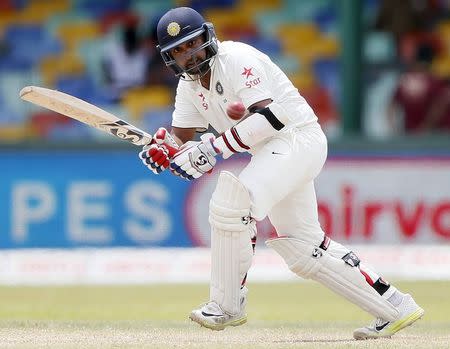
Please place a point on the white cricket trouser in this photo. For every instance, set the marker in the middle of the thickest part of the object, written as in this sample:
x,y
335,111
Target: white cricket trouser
x,y
280,179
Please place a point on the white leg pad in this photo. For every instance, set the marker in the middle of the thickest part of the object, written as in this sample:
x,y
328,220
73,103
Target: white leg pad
x,y
231,231
311,262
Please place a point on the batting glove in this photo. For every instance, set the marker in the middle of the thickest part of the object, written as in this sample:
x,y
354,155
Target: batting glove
x,y
156,155
195,158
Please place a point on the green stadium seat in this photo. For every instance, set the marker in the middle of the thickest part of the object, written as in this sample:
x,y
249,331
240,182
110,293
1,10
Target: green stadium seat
x,y
91,52
379,48
10,85
305,10
152,8
268,22
55,21
288,63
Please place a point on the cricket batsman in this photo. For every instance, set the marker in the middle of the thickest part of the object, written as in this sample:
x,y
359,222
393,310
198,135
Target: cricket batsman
x,y
288,148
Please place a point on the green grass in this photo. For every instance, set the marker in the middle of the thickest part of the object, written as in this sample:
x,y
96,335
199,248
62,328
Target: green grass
x,y
285,315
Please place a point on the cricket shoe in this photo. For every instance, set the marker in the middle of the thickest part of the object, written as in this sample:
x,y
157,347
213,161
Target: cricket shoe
x,y
409,312
211,315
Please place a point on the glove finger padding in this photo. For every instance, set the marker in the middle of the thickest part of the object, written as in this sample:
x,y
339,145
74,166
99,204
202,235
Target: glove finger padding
x,y
155,157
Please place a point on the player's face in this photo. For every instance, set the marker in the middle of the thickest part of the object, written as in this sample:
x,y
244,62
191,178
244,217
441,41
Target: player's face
x,y
190,56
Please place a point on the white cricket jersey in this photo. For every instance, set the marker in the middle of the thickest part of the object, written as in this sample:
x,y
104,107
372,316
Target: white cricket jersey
x,y
239,72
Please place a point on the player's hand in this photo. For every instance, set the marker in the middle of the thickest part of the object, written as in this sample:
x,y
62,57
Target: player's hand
x,y
156,155
195,158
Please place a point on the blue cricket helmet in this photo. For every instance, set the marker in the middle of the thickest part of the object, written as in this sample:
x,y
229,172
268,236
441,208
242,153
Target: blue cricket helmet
x,y
179,25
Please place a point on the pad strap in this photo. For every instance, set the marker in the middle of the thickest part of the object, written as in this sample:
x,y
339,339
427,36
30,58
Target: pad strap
x,y
339,275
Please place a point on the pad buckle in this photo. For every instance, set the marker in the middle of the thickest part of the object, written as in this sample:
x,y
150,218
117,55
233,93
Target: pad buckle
x,y
351,259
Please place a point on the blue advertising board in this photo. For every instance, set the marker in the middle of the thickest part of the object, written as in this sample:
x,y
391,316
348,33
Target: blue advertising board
x,y
79,198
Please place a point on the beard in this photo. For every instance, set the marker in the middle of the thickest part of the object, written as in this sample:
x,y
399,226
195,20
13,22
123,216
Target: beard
x,y
198,68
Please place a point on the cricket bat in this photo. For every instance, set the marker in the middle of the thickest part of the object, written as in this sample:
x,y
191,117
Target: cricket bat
x,y
91,115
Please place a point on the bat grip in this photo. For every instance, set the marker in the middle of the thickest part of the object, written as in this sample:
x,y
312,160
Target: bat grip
x,y
164,138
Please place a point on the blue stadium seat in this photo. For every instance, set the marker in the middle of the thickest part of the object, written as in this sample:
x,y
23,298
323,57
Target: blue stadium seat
x,y
10,63
327,19
327,73
156,118
99,8
78,86
83,87
21,51
202,5
19,4
370,11
21,39
9,117
71,132
269,46
29,33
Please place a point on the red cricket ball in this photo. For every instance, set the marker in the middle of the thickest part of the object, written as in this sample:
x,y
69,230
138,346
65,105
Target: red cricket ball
x,y
236,110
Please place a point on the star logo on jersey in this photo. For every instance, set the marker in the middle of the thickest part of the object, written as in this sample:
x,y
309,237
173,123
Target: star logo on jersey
x,y
203,99
247,72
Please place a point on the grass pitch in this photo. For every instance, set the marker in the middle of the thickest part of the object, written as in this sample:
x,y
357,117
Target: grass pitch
x,y
287,315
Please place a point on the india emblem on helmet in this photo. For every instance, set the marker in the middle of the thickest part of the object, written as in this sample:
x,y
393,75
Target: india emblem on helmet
x,y
173,29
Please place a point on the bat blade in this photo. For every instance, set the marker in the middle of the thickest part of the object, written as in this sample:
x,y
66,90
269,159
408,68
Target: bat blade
x,y
85,112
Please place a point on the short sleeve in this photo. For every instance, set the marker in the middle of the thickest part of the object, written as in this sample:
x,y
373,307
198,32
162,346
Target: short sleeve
x,y
250,78
186,114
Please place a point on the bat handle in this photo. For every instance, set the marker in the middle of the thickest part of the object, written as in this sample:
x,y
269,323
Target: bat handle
x,y
165,138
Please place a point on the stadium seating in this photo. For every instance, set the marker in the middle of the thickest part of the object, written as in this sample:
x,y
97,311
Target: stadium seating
x,y
138,100
51,67
73,33
21,38
67,40
379,48
152,9
156,118
441,67
38,11
43,123
99,8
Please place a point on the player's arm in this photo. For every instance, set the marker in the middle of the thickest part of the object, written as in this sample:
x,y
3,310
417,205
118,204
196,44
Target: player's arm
x,y
196,158
183,135
266,118
155,156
